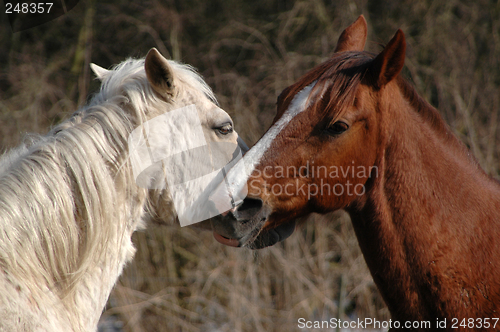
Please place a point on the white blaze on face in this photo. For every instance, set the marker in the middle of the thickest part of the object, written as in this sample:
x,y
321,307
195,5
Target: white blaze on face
x,y
238,175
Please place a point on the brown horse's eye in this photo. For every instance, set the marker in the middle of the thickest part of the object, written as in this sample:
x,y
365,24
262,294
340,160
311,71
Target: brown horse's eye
x,y
337,128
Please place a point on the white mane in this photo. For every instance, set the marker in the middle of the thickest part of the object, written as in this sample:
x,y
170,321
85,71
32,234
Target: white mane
x,y
68,209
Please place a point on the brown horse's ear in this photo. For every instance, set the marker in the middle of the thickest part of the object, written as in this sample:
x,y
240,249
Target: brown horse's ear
x,y
390,61
353,38
159,73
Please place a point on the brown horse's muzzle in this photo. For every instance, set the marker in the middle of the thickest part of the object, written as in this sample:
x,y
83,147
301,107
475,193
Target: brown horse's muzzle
x,y
243,226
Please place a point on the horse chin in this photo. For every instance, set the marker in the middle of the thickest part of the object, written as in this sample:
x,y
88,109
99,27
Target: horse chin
x,y
235,232
269,237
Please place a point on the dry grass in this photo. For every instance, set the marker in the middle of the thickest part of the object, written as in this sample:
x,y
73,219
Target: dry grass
x,y
181,279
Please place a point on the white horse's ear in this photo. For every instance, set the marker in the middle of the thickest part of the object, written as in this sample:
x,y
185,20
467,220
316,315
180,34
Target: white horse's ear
x,y
100,72
159,73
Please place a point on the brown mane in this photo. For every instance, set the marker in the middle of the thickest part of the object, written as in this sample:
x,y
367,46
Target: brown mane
x,y
432,117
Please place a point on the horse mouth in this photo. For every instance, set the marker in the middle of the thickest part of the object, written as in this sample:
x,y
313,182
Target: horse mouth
x,y
226,241
248,226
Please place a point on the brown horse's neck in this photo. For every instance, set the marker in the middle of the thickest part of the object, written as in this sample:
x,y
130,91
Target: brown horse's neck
x,y
427,220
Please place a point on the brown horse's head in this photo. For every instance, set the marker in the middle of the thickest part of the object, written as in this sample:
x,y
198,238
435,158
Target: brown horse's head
x,y
320,154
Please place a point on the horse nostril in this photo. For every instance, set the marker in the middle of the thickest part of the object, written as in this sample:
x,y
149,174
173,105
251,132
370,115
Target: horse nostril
x,y
249,208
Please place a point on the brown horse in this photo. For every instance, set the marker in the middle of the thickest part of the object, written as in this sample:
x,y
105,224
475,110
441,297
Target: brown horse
x,y
352,134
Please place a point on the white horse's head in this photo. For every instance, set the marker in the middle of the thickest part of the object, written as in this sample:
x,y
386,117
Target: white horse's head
x,y
182,144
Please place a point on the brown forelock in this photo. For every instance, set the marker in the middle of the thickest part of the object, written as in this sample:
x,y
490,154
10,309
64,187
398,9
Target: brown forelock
x,y
338,79
337,82
335,90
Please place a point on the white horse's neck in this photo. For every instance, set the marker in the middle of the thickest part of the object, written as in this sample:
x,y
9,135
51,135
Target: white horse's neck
x,y
41,299
92,291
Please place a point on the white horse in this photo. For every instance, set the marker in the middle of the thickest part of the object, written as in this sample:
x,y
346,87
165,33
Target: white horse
x,y
69,202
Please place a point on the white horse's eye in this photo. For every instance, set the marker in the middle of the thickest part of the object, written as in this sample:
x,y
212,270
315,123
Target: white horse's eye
x,y
225,129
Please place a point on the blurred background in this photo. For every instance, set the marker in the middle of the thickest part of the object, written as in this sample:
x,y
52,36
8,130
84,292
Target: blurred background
x,y
248,52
